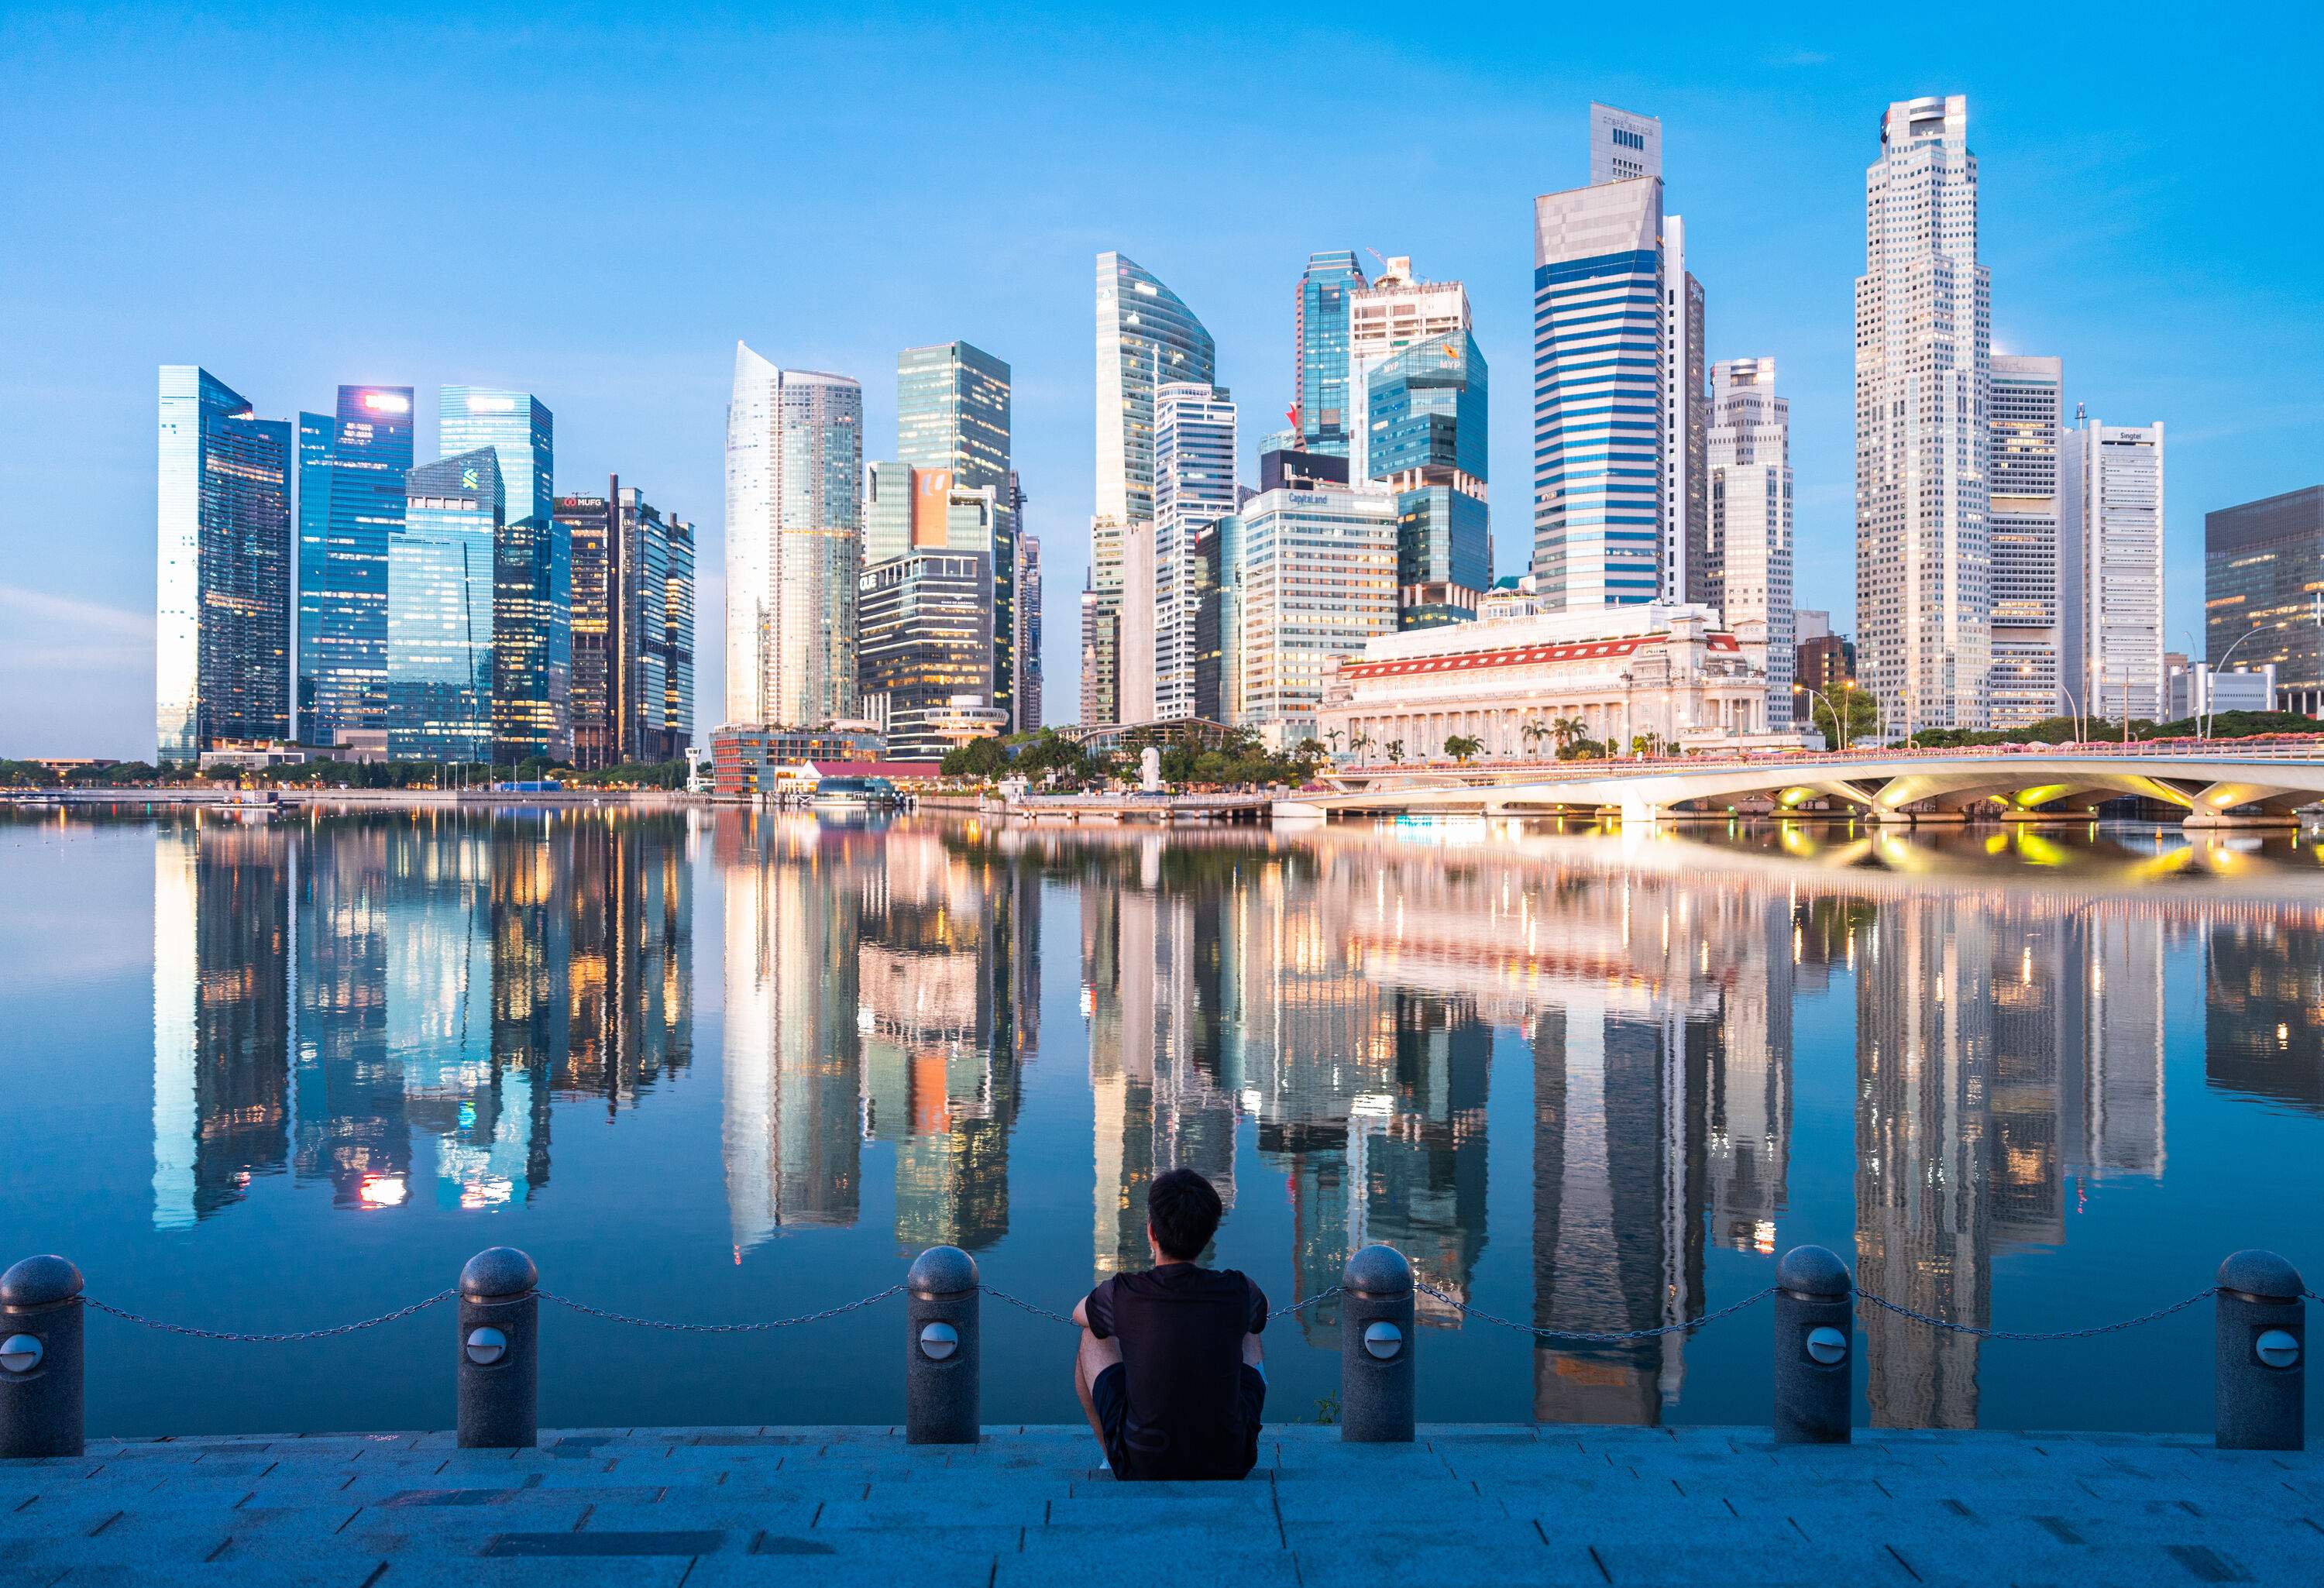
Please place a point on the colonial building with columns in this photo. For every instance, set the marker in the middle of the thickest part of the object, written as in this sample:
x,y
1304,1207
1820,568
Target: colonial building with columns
x,y
1659,669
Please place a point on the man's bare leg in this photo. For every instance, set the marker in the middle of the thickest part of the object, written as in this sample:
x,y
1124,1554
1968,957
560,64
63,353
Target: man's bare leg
x,y
1094,1358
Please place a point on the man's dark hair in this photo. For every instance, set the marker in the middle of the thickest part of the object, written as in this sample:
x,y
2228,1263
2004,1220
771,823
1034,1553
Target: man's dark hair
x,y
1183,1212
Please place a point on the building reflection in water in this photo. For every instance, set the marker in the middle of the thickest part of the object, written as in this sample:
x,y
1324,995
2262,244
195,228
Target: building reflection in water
x,y
391,1006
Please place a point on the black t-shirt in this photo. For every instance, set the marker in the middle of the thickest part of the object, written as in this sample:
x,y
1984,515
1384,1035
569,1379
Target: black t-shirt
x,y
1181,1329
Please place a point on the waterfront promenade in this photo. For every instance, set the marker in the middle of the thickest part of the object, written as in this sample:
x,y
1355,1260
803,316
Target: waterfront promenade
x,y
1482,1504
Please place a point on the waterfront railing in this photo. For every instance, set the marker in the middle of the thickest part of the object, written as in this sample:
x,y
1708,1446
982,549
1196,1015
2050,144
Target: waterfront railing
x,y
2260,1361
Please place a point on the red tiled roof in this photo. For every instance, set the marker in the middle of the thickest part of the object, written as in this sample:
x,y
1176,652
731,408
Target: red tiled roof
x,y
1519,656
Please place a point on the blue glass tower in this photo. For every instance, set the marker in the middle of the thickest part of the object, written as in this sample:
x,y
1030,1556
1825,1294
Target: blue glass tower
x,y
350,469
532,607
1321,329
222,635
1598,382
1425,407
440,571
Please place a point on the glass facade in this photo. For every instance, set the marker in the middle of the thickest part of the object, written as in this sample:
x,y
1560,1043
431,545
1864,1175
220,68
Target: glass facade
x,y
440,574
1195,467
1317,578
632,625
1425,411
224,568
794,543
350,469
1146,337
1599,327
520,431
589,522
2262,569
532,641
927,642
1320,328
952,412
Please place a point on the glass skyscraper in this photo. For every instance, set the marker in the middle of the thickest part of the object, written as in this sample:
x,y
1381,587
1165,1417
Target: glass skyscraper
x,y
1320,322
1426,409
952,413
440,574
794,543
222,640
1598,429
520,431
532,606
350,469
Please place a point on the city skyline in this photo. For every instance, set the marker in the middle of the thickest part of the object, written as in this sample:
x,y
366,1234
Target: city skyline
x,y
1770,182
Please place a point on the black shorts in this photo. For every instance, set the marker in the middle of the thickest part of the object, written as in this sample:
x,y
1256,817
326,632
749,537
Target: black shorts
x,y
1113,1404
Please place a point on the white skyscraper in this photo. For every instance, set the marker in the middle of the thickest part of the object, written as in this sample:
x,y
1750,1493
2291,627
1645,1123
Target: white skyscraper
x,y
2022,487
794,543
1194,484
1924,384
1748,454
1394,312
2112,569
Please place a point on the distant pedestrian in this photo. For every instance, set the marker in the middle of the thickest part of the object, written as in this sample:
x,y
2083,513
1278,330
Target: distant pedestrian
x,y
1170,1372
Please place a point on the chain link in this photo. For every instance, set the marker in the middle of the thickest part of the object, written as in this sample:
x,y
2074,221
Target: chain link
x,y
1043,1312
385,1317
812,1317
2144,1317
1595,1337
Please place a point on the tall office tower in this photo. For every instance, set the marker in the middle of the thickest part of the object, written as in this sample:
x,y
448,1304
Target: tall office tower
x,y
1028,626
1396,311
222,989
2022,487
1317,579
1923,386
1747,472
1217,558
1425,408
1625,147
1193,486
1146,337
633,623
2112,568
1137,621
350,469
440,572
1321,410
1600,430
532,641
521,433
924,605
2260,606
222,638
794,543
952,413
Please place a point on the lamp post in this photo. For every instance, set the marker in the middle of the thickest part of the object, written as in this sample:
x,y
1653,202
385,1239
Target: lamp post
x,y
2203,728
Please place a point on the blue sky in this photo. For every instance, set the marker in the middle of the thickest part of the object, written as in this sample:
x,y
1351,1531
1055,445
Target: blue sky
x,y
595,204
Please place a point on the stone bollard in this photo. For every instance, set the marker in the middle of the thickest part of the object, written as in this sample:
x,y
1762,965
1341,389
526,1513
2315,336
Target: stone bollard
x,y
941,1349
500,1351
2262,1354
1815,1337
41,1359
1376,1341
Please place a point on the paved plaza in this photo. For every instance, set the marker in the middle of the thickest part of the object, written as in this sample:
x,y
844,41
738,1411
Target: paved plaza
x,y
1465,1504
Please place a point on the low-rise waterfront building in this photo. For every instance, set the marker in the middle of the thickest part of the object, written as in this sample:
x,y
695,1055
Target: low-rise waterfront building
x,y
1659,671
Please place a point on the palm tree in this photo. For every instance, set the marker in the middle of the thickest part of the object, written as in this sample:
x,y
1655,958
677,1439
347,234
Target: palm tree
x,y
1533,732
1568,730
1359,743
1462,748
1395,750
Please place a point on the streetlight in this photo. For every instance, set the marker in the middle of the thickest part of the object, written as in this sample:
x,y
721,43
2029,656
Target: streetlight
x,y
2203,729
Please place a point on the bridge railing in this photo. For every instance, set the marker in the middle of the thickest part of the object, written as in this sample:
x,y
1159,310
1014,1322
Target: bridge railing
x,y
2259,1360
2298,748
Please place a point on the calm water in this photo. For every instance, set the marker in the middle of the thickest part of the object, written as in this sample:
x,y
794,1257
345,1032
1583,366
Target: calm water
x,y
725,1067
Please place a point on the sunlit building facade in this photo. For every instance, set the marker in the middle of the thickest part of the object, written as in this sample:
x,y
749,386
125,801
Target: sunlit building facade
x,y
1321,411
1396,310
1317,579
794,543
224,568
952,414
1425,408
1747,477
440,584
1923,393
2112,568
1194,484
350,469
2024,493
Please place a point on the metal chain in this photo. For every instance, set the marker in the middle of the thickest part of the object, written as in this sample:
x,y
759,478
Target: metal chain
x,y
812,1317
1043,1312
385,1317
1595,1337
2146,1318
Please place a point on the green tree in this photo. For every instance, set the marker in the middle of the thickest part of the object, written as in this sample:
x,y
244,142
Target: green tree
x,y
978,758
1396,751
1532,731
1463,749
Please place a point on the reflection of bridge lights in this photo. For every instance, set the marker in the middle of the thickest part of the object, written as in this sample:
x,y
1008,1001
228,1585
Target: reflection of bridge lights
x,y
1763,1235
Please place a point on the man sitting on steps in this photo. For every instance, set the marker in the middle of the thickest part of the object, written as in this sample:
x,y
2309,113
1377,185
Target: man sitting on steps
x,y
1169,1370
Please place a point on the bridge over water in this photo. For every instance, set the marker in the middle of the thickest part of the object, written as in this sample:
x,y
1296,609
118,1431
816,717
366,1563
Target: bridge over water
x,y
2223,783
